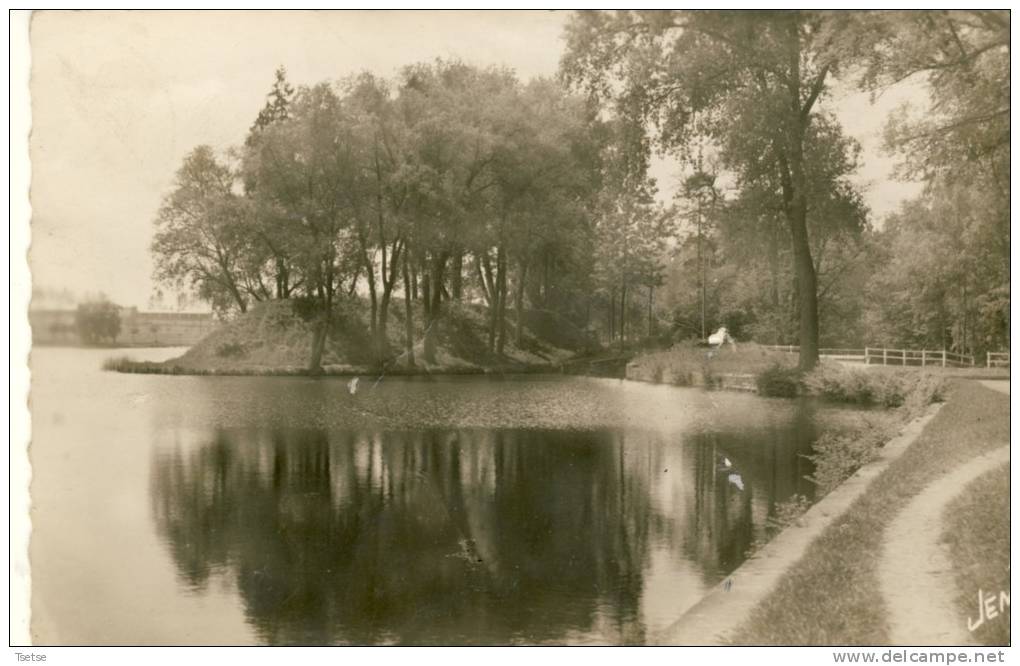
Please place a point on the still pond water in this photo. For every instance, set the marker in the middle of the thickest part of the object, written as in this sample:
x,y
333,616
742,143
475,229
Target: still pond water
x,y
459,510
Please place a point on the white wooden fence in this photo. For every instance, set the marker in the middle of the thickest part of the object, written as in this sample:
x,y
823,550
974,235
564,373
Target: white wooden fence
x,y
923,357
918,357
836,354
997,360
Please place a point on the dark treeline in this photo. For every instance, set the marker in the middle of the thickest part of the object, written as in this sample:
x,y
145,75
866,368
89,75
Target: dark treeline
x,y
457,183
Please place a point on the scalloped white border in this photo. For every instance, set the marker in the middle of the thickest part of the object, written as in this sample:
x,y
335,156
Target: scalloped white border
x,y
20,290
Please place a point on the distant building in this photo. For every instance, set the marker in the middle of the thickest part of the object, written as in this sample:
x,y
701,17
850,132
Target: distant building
x,y
137,329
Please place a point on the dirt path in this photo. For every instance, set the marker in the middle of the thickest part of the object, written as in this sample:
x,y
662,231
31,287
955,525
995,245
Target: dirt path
x,y
914,570
1000,385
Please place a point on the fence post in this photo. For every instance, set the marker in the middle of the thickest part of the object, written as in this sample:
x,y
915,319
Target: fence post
x,y
867,356
943,358
885,356
924,357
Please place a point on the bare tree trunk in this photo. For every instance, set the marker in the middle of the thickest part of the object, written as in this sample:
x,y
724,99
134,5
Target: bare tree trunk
x,y
612,315
354,281
623,317
282,289
491,284
522,275
493,320
807,289
501,310
545,279
650,291
383,351
322,329
795,197
408,314
389,277
373,295
486,290
434,283
774,286
242,304
318,346
488,278
373,323
456,276
426,289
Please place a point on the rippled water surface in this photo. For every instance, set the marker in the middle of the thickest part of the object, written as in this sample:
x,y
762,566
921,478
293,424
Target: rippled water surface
x,y
461,510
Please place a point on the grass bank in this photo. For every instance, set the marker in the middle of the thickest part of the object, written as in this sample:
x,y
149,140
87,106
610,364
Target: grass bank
x,y
687,364
272,339
976,529
750,366
832,595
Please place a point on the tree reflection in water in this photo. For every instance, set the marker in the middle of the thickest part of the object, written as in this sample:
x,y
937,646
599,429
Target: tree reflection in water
x,y
456,537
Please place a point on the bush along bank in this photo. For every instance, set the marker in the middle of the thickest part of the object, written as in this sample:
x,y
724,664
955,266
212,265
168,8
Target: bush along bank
x,y
904,395
750,366
837,454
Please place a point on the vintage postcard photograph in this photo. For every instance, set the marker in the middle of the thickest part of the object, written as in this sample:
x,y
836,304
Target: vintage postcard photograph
x,y
516,328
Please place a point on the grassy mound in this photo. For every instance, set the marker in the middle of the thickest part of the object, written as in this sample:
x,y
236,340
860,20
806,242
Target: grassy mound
x,y
272,338
558,330
272,335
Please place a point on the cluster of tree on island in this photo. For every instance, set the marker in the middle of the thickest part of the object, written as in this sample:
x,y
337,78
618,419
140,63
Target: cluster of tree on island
x,y
458,182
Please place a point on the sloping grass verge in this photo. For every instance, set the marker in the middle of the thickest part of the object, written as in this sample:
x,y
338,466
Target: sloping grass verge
x,y
976,527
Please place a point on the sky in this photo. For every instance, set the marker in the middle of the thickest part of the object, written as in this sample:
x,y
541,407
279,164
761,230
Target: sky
x,y
118,99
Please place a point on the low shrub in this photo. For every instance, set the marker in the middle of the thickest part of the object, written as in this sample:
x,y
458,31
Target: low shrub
x,y
928,388
887,388
129,365
837,455
118,363
681,377
230,350
778,381
786,513
839,383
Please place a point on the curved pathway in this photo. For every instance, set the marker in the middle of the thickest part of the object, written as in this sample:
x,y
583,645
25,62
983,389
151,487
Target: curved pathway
x,y
914,570
1000,385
